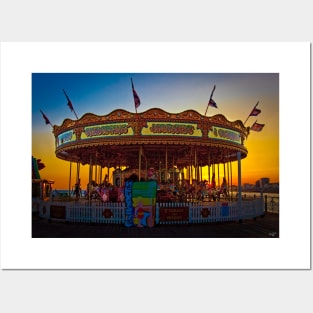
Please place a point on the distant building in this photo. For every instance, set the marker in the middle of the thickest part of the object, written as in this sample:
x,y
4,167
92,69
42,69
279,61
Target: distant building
x,y
248,187
274,187
264,182
233,188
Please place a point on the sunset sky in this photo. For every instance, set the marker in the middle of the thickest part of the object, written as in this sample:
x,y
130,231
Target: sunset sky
x,y
100,93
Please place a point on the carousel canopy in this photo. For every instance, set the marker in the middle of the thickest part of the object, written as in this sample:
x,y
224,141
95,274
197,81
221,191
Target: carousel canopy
x,y
122,138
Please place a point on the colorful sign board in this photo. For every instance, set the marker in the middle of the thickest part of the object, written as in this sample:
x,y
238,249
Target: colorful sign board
x,y
140,200
225,209
107,130
225,134
175,214
66,137
171,129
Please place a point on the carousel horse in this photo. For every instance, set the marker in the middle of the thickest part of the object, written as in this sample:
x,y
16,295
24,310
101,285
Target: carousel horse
x,y
104,194
94,192
222,192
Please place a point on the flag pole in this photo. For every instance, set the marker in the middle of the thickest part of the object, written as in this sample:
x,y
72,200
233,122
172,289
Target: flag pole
x,y
46,119
257,127
75,114
133,94
209,100
250,113
253,124
136,98
69,103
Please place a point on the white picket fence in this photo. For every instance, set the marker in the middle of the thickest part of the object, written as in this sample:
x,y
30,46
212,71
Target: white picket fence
x,y
114,213
102,213
210,212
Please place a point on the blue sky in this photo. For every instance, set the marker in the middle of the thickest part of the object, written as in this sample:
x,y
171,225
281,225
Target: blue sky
x,y
98,93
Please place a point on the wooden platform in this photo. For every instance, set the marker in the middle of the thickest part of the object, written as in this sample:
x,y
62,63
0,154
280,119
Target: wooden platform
x,y
261,227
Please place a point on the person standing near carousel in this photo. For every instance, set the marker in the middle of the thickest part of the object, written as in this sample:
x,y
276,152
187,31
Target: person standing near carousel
x,y
77,189
223,190
213,182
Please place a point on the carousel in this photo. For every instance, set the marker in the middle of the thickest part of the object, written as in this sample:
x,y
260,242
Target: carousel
x,y
187,154
171,147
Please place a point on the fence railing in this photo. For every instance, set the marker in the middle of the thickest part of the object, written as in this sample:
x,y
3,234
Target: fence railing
x,y
208,212
165,213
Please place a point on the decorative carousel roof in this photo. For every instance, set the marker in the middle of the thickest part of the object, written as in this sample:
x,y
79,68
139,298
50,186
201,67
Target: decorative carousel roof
x,y
116,139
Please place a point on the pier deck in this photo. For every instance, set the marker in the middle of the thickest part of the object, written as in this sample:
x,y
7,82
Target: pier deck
x,y
261,227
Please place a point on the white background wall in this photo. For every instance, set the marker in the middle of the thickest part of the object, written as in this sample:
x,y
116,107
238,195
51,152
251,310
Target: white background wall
x,y
156,291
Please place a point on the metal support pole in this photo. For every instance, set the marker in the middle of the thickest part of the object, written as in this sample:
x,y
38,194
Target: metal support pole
x,y
209,165
90,179
70,182
100,174
96,173
166,169
218,174
228,177
231,177
196,165
77,172
239,183
139,168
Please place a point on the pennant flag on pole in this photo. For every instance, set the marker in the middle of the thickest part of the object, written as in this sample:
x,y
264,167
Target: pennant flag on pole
x,y
211,102
45,118
136,97
257,127
254,112
69,103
